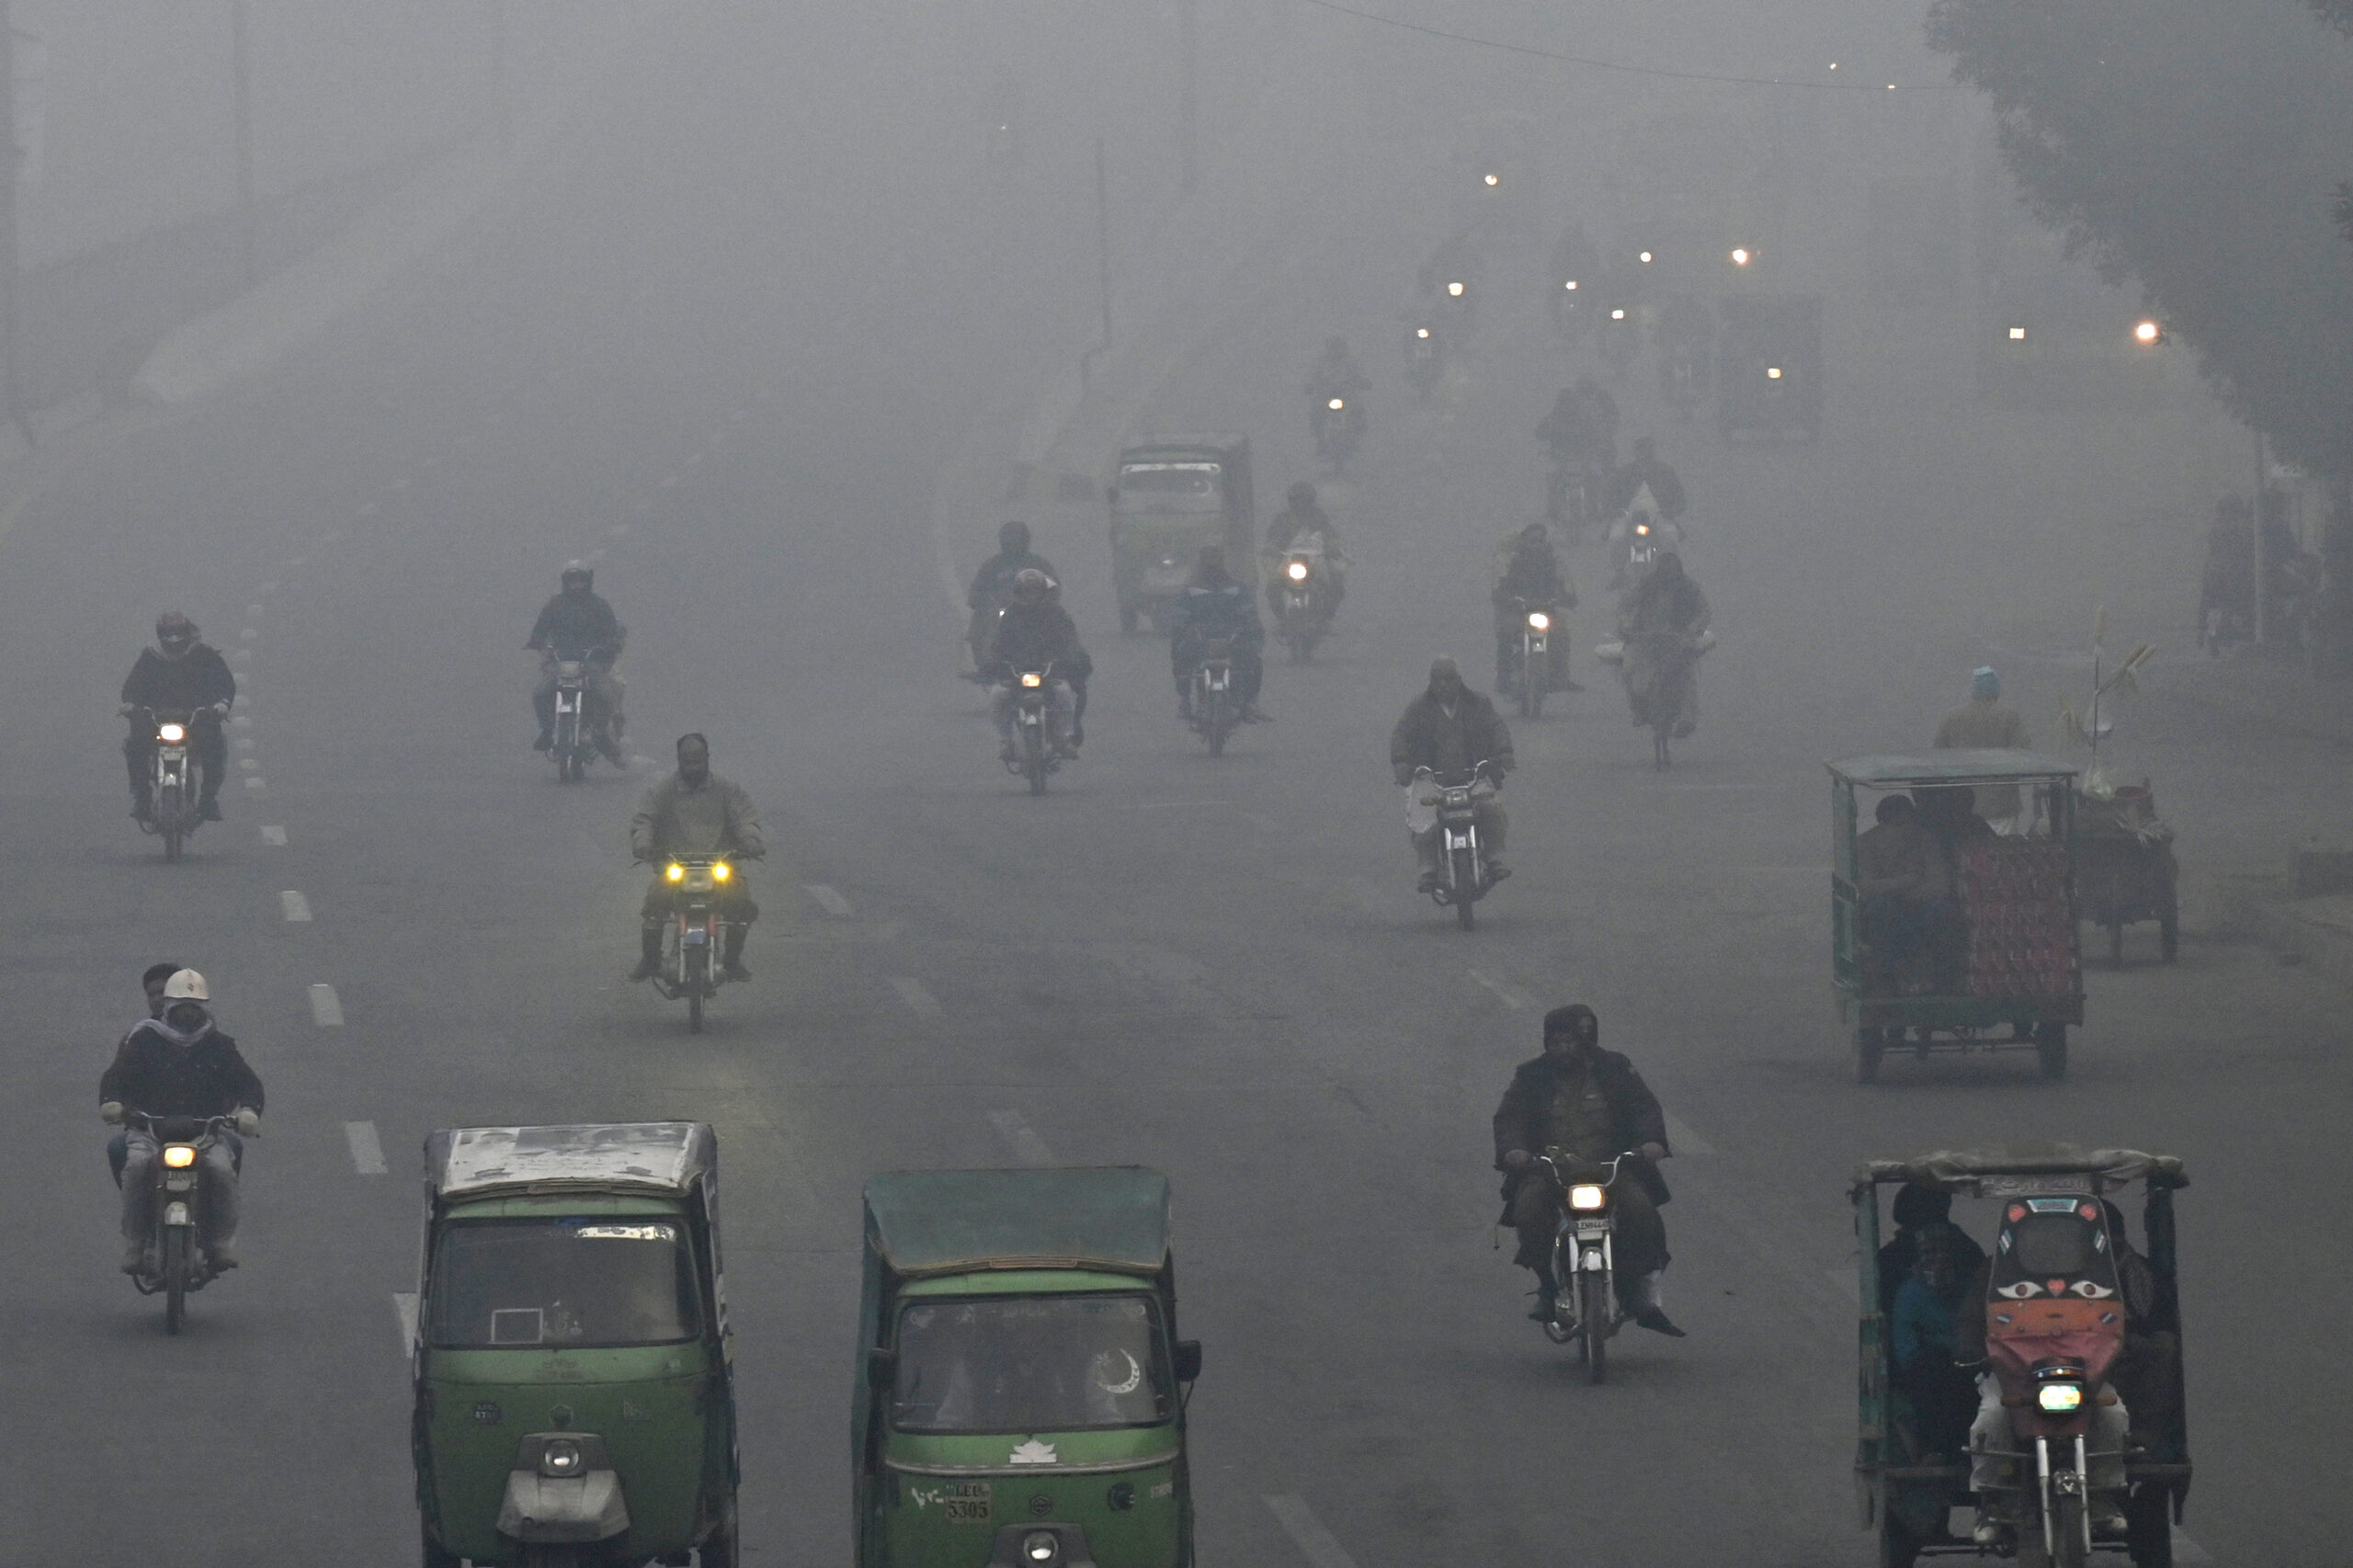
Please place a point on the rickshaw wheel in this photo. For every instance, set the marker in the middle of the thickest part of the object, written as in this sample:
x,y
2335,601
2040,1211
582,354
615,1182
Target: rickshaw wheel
x,y
723,1548
2169,931
1898,1547
2051,1048
433,1555
2148,1516
1869,1045
2116,943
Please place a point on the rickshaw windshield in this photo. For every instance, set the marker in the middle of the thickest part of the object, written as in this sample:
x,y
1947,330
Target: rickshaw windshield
x,y
1029,1364
1191,485
2055,1243
576,1282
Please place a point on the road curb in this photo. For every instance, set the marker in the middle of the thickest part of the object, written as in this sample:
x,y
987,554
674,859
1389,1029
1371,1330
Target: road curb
x,y
2315,932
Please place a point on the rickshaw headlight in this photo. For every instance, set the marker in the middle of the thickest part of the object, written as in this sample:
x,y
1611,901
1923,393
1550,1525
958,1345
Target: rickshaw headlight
x,y
179,1156
1586,1195
1298,570
2060,1398
720,870
1043,1548
675,871
561,1458
1538,621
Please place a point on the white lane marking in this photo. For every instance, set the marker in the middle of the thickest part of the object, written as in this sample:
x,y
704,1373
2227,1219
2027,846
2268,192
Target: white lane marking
x,y
669,482
295,906
246,742
327,1007
274,836
1299,1521
248,764
252,611
917,996
405,1309
694,460
240,655
247,633
367,1149
829,900
255,781
242,721
2188,1551
1511,995
1028,1147
1683,1141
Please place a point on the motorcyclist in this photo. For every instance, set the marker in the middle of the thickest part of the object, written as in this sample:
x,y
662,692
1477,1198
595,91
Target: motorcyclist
x,y
1450,729
578,623
1582,426
991,587
1590,1105
1335,374
1036,633
1214,607
180,1065
1528,574
695,812
181,674
1664,604
1666,487
1302,524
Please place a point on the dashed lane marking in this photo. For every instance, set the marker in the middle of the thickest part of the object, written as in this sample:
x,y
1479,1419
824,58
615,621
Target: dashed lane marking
x,y
255,781
242,721
294,904
367,1149
405,1310
246,763
1686,1142
327,1007
918,998
1028,1147
829,900
275,835
247,633
1299,1521
1511,995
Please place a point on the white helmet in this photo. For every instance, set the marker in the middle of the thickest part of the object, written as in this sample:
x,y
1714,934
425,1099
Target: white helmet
x,y
186,985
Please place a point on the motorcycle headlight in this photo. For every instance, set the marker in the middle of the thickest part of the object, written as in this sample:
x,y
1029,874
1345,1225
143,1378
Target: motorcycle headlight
x,y
1740,255
1339,404
1494,179
1773,373
1539,621
1571,285
2018,335
2147,332
1032,680
720,870
172,734
2060,1398
1421,331
179,1156
1645,258
1586,1195
1455,290
1641,527
1617,316
1298,571
675,871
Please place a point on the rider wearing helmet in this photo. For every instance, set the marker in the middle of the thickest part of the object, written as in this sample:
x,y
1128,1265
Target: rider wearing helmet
x,y
180,674
992,583
1215,606
1302,525
578,625
1036,633
1530,575
180,1065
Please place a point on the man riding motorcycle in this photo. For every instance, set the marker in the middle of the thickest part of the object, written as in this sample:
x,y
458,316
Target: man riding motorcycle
x,y
577,621
1450,729
991,587
695,812
1528,574
1592,1104
1662,610
1336,373
180,674
1666,487
1582,426
1214,607
1035,634
180,1065
1303,525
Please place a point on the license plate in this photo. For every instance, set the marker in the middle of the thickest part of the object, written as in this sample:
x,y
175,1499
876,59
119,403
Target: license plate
x,y
693,937
969,1503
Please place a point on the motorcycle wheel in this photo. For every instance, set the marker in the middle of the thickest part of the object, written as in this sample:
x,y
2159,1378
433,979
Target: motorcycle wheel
x,y
433,1554
1531,691
2051,1048
698,985
1033,760
1593,1307
2169,930
567,749
2116,943
1302,647
170,818
1898,1547
1466,883
1661,753
2067,1532
1870,1044
1221,723
175,1267
2148,1516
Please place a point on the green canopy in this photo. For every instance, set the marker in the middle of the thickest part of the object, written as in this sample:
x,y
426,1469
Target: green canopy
x,y
1957,766
1113,1218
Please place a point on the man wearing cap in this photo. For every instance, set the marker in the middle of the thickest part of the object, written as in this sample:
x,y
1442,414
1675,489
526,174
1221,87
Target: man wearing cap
x,y
577,624
1986,723
181,674
180,1065
1589,1104
1450,729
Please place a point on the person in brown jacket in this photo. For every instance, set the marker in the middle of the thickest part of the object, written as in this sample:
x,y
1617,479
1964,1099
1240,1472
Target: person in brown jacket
x,y
1450,729
1986,723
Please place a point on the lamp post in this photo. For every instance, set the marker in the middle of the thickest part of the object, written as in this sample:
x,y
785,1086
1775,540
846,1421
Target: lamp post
x,y
11,161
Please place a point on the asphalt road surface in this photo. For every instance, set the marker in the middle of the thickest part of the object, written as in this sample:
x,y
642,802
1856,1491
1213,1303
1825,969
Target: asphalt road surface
x,y
1216,967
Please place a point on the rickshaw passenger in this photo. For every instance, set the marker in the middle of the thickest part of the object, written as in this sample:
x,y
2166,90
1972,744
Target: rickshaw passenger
x,y
1942,1395
2144,1374
1918,1210
1910,919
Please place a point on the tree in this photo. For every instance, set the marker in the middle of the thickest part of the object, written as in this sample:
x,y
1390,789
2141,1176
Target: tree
x,y
2196,148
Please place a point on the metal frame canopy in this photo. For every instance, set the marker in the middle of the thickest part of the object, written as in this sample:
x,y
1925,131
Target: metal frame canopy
x,y
1957,767
1157,448
1113,1218
671,1157
1970,1172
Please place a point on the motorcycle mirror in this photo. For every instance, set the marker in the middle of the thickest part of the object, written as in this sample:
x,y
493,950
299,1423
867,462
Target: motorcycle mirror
x,y
1187,1360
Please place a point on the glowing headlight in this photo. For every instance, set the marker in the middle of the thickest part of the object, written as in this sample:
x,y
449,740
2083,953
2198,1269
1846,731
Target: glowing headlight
x,y
1773,373
1494,179
720,870
171,732
1584,1195
1298,571
1421,331
1617,316
1042,1547
1029,678
1339,404
1646,258
675,871
2018,335
2060,1399
2147,332
1538,621
561,1458
1740,255
1455,290
179,1156
1571,285
1641,527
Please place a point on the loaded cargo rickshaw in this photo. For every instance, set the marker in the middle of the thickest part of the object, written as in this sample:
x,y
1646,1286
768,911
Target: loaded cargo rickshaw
x,y
1021,1387
1996,965
1171,496
2075,1446
574,1375
2125,868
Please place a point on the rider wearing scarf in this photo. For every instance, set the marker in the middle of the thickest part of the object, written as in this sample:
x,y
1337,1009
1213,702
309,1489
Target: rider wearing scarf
x,y
180,1065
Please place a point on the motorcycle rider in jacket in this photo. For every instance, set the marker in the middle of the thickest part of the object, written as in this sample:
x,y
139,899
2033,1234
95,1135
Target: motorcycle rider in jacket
x,y
1529,572
1450,729
1302,521
181,674
991,587
1215,606
577,621
695,812
180,1065
1036,633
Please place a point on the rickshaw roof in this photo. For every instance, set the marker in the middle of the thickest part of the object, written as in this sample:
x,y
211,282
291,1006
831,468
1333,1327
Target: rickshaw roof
x,y
1113,1218
1962,765
1180,446
629,1156
1966,1171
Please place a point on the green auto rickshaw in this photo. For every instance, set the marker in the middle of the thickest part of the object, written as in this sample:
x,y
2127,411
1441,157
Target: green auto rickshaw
x,y
573,1371
1172,497
1021,1389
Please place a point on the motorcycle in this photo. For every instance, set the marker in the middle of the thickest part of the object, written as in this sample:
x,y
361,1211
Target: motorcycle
x,y
1529,673
1572,494
1037,752
1585,1312
1570,318
1339,426
1303,601
1636,542
1683,378
1461,307
1215,708
1464,878
693,946
1665,663
175,1264
172,786
1425,360
583,719
1620,330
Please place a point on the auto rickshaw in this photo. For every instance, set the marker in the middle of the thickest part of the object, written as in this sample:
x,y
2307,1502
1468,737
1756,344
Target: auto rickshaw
x,y
2125,868
2001,955
1172,497
2081,1337
1769,370
1021,1389
572,1359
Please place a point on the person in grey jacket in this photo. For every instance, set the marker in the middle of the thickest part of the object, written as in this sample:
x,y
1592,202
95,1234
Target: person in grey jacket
x,y
695,812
